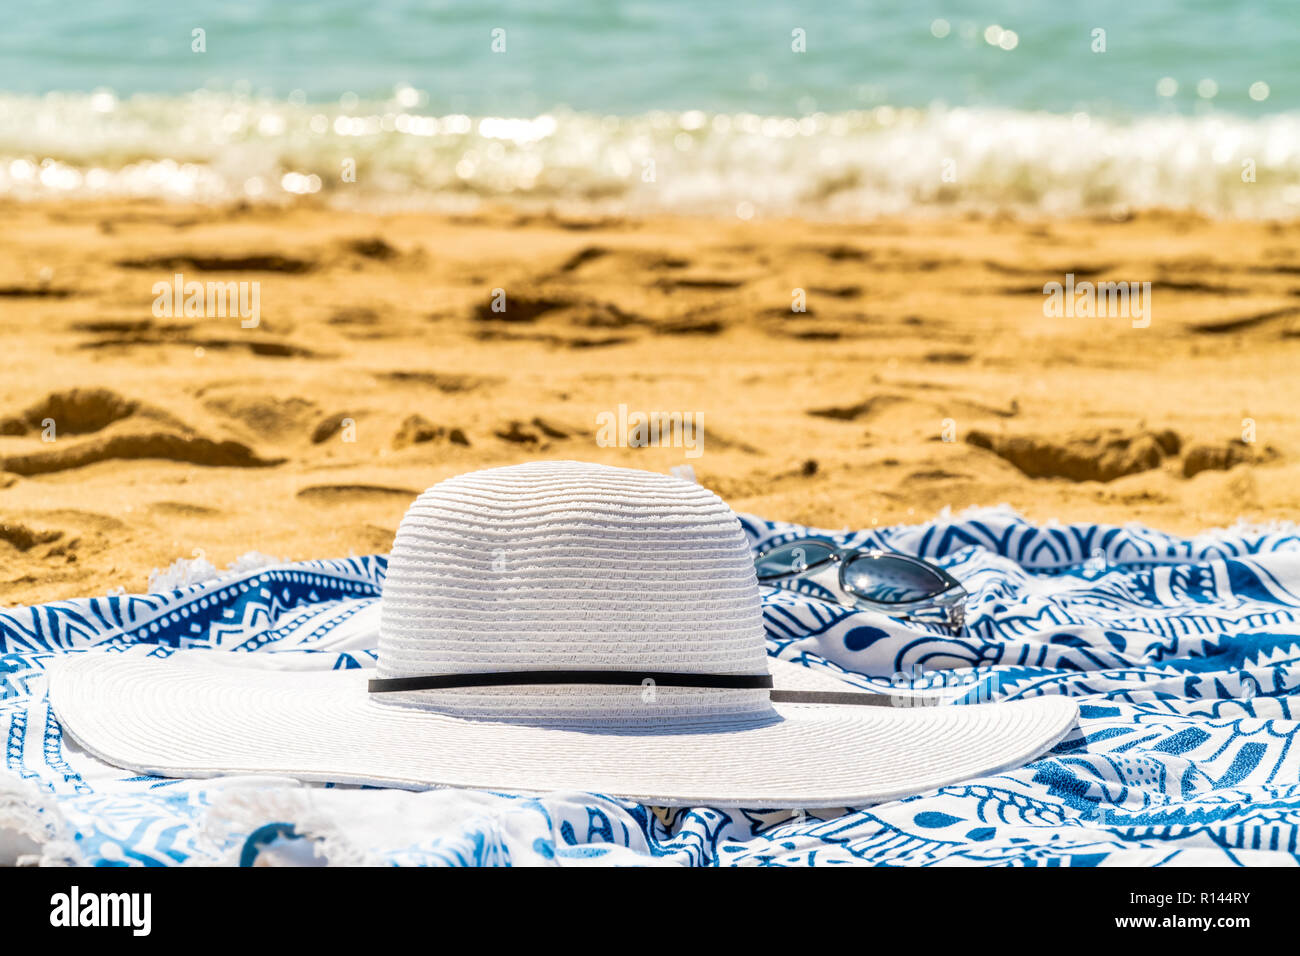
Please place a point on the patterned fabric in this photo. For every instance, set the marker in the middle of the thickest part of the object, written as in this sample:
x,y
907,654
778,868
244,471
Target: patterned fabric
x,y
1182,653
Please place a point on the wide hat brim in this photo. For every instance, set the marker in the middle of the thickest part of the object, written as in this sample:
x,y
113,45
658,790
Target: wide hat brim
x,y
199,714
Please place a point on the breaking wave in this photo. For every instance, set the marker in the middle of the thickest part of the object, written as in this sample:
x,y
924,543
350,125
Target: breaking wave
x,y
219,147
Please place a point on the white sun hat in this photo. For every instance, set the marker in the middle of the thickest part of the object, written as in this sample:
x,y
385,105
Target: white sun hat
x,y
548,626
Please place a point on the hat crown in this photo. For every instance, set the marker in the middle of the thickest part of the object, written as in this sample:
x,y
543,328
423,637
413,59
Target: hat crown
x,y
564,565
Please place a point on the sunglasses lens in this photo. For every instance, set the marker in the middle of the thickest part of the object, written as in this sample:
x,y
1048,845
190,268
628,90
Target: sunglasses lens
x,y
892,580
791,559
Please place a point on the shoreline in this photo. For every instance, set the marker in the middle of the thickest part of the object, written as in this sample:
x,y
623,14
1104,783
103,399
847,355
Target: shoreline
x,y
854,164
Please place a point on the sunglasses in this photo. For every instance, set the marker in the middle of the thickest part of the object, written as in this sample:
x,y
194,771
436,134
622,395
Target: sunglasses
x,y
895,584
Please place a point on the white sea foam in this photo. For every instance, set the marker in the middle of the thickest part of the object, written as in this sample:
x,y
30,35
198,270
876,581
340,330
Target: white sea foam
x,y
212,146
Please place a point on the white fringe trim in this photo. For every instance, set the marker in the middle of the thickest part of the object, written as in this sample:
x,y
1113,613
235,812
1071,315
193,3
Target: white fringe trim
x,y
32,830
184,572
243,811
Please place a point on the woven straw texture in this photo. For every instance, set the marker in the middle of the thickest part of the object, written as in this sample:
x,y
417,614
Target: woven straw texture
x,y
571,566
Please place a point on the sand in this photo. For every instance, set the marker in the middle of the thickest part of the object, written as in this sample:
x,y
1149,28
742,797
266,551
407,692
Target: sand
x,y
378,368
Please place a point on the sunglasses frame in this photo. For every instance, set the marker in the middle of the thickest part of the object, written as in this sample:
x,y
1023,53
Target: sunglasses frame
x,y
946,607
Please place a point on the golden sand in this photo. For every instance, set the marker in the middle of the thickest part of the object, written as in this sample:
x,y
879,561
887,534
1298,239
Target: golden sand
x,y
175,436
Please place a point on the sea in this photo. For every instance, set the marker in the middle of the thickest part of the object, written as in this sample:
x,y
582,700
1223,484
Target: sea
x,y
849,109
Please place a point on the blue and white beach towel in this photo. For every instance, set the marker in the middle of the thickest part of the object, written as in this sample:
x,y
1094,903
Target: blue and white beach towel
x,y
1182,653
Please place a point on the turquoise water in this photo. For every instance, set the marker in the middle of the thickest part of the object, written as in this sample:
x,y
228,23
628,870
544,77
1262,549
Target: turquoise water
x,y
665,104
628,58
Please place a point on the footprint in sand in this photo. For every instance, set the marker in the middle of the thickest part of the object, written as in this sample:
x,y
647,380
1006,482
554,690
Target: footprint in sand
x,y
532,433
127,334
699,283
555,341
582,257
354,316
1106,454
1078,271
418,430
372,247
449,383
23,538
213,262
692,327
1102,454
837,291
864,410
606,315
624,260
1224,457
264,416
841,253
78,411
183,509
34,292
84,411
363,324
331,425
817,335
353,494
193,450
584,224
874,406
1244,322
113,326
519,307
